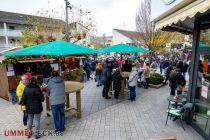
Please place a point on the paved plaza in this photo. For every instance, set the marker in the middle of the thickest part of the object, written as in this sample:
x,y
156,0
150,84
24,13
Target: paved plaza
x,y
143,119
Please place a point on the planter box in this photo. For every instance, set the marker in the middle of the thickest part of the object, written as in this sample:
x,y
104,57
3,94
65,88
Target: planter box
x,y
156,86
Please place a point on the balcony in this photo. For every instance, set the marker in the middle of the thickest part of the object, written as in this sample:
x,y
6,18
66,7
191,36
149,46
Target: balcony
x,y
11,33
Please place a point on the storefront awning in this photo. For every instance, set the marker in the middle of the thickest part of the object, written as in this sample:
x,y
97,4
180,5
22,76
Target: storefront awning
x,y
181,17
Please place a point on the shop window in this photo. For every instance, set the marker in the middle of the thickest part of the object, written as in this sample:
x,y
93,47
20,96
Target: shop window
x,y
202,95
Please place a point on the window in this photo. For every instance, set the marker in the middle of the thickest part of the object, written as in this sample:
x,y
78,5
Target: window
x,y
12,27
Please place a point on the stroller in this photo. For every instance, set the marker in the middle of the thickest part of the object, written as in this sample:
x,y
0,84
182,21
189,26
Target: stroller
x,y
141,82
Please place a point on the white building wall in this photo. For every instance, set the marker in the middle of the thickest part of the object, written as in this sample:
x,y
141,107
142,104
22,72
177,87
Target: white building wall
x,y
119,38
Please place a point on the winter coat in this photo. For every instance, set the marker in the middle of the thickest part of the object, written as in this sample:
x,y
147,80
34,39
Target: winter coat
x,y
19,92
46,71
185,67
180,66
33,98
127,67
106,74
133,77
56,90
166,63
173,79
99,71
88,66
117,80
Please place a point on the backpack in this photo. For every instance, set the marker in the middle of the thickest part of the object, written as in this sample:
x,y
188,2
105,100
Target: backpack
x,y
181,80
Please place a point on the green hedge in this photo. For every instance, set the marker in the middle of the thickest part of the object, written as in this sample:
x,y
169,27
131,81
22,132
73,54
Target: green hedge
x,y
156,78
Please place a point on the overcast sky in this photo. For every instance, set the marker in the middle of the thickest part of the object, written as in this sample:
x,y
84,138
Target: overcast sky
x,y
107,14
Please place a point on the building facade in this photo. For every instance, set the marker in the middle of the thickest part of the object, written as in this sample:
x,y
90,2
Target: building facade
x,y
126,37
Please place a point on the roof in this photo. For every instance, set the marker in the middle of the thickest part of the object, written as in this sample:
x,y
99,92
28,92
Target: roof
x,y
133,35
17,18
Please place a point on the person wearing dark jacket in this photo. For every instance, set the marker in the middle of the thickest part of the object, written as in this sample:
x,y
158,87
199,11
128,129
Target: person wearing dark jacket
x,y
127,67
185,68
173,80
117,77
168,72
56,92
46,71
33,98
107,79
179,65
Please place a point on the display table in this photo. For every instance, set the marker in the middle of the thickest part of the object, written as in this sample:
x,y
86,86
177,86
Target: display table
x,y
70,87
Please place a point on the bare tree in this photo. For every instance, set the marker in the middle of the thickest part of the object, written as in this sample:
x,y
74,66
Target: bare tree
x,y
152,39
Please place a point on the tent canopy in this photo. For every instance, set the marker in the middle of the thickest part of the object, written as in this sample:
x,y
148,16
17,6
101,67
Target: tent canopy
x,y
123,48
57,48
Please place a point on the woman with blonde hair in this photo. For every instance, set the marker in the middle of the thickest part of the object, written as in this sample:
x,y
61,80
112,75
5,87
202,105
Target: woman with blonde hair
x,y
99,69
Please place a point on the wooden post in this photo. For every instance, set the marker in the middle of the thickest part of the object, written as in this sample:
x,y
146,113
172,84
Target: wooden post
x,y
78,98
67,101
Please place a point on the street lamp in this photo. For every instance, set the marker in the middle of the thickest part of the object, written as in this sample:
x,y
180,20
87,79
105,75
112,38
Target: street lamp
x,y
68,5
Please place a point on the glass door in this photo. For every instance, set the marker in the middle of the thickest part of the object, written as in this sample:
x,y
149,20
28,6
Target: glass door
x,y
202,94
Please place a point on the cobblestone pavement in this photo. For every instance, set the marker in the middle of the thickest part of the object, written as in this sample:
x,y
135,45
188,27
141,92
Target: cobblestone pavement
x,y
102,119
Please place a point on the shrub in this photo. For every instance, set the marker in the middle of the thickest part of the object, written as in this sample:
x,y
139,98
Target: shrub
x,y
68,76
156,78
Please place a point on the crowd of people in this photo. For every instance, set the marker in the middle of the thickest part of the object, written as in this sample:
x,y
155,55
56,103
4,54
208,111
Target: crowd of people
x,y
108,73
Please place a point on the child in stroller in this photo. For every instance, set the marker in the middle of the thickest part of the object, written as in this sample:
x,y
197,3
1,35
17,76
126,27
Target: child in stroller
x,y
141,82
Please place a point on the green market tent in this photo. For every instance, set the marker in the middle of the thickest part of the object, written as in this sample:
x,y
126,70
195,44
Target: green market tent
x,y
57,48
123,48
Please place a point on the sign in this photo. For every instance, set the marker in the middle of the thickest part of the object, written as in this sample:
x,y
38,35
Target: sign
x,y
168,2
204,91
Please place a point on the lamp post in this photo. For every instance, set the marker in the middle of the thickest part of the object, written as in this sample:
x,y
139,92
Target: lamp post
x,y
67,18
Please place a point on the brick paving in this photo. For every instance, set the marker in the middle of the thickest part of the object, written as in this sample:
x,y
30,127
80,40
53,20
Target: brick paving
x,y
143,119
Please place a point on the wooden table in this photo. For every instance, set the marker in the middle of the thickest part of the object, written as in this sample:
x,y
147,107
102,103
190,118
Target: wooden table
x,y
70,87
123,88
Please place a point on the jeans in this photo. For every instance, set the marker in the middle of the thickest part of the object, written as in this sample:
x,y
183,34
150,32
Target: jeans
x,y
88,74
116,94
46,80
25,117
36,118
99,79
161,70
58,112
173,91
132,92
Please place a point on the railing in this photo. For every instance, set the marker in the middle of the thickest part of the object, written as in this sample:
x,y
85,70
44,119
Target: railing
x,y
11,33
